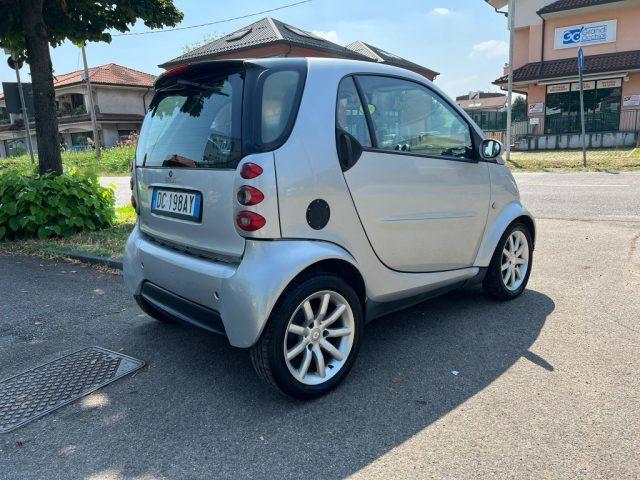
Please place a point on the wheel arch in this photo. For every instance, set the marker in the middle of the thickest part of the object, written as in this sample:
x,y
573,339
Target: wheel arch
x,y
510,214
341,268
266,281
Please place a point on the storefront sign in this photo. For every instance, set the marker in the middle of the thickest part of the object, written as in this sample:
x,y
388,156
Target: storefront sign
x,y
536,108
631,101
534,121
614,83
560,88
575,87
586,34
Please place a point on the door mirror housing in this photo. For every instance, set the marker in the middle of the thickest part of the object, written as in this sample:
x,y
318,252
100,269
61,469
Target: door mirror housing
x,y
490,149
349,149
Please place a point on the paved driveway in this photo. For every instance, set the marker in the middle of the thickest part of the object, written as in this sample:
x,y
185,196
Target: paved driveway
x,y
548,385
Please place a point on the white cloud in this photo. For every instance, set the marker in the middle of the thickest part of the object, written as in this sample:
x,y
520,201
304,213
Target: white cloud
x,y
491,49
441,11
330,35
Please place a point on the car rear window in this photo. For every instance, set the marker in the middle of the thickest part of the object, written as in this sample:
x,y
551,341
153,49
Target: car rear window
x,y
203,119
194,123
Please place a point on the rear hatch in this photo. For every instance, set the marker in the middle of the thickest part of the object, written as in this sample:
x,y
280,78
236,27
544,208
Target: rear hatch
x,y
188,150
202,121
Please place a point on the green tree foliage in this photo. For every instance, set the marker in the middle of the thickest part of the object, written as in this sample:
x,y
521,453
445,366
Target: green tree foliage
x,y
29,27
519,109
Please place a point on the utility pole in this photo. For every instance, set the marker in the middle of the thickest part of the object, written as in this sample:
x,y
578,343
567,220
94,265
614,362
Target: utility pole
x,y
512,25
581,77
92,110
15,64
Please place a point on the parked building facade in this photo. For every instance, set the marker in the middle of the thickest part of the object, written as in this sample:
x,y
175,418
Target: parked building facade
x,y
121,96
269,37
548,34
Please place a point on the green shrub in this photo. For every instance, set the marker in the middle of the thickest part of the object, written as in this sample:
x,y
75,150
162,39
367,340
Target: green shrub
x,y
49,205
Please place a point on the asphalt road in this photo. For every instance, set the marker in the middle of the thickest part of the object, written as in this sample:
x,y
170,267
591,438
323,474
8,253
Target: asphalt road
x,y
548,384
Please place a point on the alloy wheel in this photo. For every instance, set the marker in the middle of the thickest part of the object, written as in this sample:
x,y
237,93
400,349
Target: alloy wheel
x,y
319,337
515,260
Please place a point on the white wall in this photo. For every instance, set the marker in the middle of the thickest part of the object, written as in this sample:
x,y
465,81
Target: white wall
x,y
120,100
526,12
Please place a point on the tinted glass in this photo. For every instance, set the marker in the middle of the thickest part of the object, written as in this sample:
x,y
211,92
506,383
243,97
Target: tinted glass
x,y
278,100
194,124
349,113
410,118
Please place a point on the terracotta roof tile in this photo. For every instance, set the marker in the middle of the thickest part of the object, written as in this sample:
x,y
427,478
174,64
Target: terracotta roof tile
x,y
111,74
568,67
382,56
562,5
266,31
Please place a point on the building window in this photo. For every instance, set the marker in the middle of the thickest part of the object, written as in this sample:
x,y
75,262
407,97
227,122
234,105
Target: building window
x,y
602,102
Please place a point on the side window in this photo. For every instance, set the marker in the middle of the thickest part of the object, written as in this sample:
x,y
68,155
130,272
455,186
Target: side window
x,y
349,113
278,100
410,118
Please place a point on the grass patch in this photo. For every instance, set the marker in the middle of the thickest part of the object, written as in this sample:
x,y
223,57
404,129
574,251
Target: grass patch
x,y
571,160
108,242
115,161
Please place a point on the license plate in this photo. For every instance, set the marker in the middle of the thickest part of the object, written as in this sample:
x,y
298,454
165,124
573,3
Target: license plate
x,y
177,203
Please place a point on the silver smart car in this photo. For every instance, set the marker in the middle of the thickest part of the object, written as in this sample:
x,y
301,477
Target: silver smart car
x,y
286,202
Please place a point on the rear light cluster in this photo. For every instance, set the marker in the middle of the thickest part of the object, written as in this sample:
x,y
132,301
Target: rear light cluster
x,y
250,221
134,203
248,196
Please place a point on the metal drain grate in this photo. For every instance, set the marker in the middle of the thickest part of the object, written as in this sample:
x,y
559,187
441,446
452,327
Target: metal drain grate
x,y
35,393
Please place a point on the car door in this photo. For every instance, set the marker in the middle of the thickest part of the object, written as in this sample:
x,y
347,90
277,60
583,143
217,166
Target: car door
x,y
420,192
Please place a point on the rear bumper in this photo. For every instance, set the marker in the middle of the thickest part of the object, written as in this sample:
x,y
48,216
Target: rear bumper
x,y
242,294
178,308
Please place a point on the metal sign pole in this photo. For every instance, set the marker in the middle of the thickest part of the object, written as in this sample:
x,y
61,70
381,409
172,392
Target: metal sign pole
x,y
25,117
94,123
512,25
584,137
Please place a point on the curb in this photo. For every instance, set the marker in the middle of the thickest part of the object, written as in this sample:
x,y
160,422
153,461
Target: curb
x,y
115,263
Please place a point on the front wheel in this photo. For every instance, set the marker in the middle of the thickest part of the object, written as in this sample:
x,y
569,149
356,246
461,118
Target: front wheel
x,y
510,266
311,339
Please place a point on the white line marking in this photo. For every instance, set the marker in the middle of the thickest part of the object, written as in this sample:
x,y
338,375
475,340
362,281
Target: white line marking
x,y
616,185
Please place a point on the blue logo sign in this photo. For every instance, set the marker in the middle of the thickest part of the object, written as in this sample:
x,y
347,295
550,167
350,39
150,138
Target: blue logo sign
x,y
590,34
572,36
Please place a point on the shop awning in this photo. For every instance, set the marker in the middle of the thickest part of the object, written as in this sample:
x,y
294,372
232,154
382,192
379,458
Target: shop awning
x,y
568,67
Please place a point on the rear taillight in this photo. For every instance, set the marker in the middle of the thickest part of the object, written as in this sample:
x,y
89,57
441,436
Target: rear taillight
x,y
250,170
134,203
249,195
250,221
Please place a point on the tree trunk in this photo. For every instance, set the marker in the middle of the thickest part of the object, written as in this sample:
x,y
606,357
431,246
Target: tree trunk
x,y
39,59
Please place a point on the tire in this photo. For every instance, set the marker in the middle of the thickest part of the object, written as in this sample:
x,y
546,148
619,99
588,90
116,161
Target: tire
x,y
289,327
153,312
494,282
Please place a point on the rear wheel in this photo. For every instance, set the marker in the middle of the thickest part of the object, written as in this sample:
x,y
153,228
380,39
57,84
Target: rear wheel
x,y
311,339
510,266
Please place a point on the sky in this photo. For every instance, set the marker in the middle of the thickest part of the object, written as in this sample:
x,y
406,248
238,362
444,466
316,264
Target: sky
x,y
464,40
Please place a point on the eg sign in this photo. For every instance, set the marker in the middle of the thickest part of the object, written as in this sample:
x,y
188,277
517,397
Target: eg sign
x,y
586,34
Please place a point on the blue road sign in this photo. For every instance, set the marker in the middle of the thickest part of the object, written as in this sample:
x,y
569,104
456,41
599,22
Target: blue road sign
x,y
580,60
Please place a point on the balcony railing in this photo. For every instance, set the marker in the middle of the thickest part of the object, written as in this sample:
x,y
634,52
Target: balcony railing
x,y
72,112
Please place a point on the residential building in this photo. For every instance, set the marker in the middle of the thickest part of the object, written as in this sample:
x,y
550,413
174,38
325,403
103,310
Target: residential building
x,y
488,109
121,96
269,37
548,34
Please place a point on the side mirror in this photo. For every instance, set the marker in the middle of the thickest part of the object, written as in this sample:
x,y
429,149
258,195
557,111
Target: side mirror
x,y
490,149
349,149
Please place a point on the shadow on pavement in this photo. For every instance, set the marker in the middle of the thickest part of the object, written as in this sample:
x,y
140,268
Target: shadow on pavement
x,y
200,408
